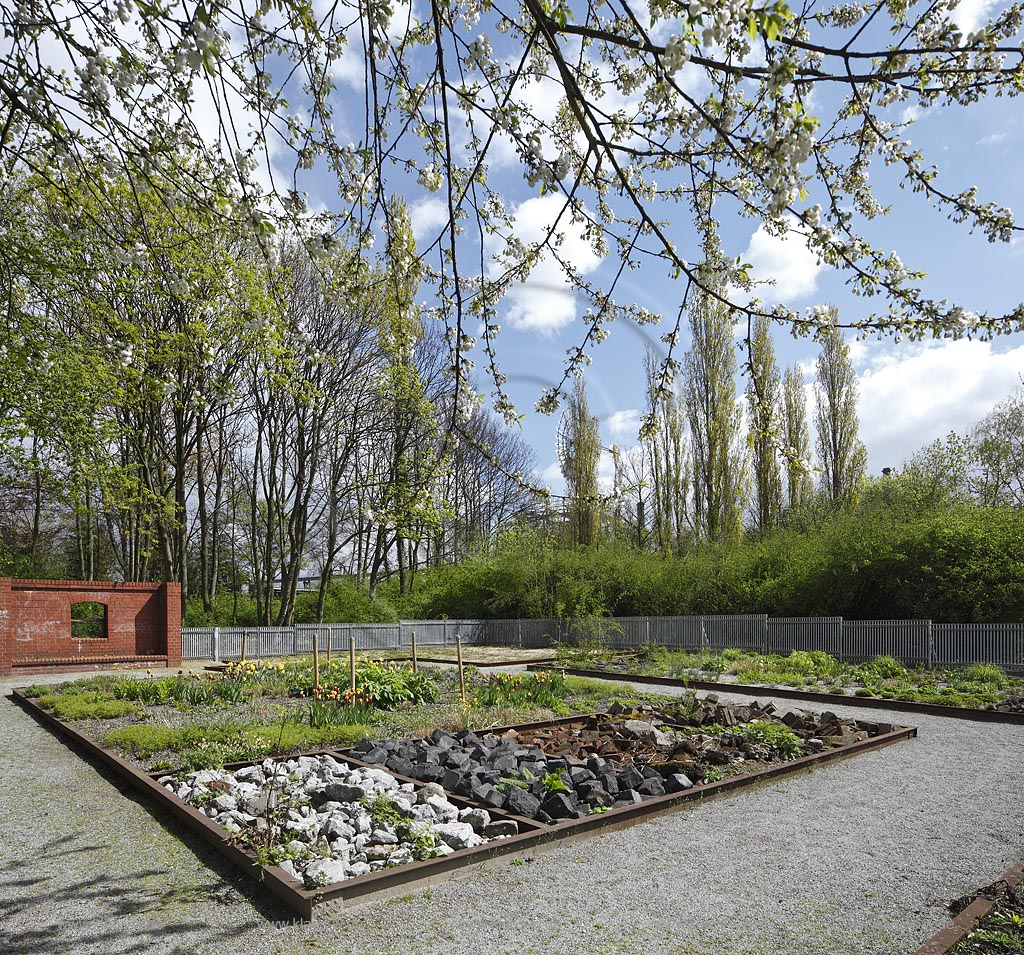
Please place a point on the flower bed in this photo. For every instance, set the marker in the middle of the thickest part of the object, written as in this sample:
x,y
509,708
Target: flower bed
x,y
979,686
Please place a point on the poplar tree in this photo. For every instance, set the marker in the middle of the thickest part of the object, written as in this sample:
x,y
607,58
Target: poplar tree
x,y
666,446
579,453
763,406
842,456
796,436
718,457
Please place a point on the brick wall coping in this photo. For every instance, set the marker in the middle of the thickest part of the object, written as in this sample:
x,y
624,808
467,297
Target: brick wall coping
x,y
18,583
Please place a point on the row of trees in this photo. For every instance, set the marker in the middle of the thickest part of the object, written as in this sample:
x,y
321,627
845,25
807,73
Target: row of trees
x,y
211,417
711,463
942,537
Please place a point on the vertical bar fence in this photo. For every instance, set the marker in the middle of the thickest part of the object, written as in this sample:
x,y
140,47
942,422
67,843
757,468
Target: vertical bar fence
x,y
913,642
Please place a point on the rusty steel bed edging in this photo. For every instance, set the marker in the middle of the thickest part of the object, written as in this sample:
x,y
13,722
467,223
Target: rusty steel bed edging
x,y
311,903
833,699
946,939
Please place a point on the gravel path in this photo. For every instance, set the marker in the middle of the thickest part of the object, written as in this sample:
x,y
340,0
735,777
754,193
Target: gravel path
x,y
857,857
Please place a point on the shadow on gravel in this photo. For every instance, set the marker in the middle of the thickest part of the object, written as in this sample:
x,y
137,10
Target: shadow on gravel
x,y
107,914
26,884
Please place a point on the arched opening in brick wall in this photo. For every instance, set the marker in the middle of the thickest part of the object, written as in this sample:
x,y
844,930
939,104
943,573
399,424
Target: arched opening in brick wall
x,y
87,624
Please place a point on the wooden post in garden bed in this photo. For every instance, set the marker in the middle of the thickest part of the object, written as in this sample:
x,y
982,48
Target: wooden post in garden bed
x,y
462,672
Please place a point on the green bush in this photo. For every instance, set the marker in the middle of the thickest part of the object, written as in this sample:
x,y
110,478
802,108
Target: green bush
x,y
985,673
95,705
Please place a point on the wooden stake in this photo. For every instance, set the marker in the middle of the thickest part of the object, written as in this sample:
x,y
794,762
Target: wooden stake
x,y
245,638
316,659
352,662
462,673
415,665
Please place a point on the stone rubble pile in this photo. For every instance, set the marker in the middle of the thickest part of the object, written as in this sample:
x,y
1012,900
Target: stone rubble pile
x,y
314,814
517,775
624,758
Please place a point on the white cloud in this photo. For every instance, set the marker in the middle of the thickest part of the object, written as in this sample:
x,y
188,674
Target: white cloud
x,y
909,400
787,260
552,478
428,215
546,302
992,139
969,14
623,425
913,112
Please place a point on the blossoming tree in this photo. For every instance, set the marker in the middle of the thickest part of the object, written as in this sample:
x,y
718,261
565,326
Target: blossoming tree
x,y
624,110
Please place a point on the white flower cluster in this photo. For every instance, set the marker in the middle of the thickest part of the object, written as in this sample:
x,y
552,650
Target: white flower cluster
x,y
198,40
93,77
789,149
542,170
676,55
135,256
819,315
380,16
480,54
781,75
319,247
720,19
965,319
178,286
430,177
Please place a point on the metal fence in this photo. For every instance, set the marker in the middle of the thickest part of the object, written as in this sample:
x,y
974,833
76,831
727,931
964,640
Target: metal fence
x,y
914,642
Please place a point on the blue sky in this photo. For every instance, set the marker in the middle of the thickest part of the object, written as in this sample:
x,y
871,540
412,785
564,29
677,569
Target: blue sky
x,y
910,394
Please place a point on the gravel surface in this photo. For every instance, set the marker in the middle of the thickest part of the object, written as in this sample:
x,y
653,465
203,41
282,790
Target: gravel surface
x,y
856,857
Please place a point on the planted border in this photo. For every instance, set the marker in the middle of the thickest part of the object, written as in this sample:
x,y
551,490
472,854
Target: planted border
x,y
947,938
833,699
310,904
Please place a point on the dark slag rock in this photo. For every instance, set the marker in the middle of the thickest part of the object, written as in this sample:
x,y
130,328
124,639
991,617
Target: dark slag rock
x,y
560,806
652,786
376,755
594,793
630,778
521,802
677,782
399,765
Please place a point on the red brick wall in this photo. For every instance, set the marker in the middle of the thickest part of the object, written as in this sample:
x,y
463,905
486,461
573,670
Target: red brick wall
x,y
35,620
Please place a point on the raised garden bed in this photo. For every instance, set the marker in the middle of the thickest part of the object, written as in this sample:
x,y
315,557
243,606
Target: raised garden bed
x,y
637,751
576,767
980,686
1011,711
991,922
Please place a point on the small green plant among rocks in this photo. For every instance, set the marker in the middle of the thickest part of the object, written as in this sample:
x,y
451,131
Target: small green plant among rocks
x,y
1001,933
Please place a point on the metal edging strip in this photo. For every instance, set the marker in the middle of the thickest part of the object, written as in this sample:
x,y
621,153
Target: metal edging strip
x,y
833,699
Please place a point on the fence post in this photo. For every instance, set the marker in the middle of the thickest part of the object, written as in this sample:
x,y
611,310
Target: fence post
x,y
444,633
764,641
295,641
931,647
647,630
216,644
519,628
